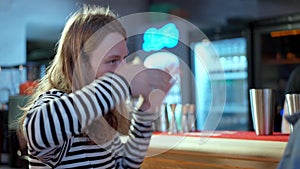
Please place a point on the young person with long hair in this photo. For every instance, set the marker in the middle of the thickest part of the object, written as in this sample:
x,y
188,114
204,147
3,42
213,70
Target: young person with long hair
x,y
80,107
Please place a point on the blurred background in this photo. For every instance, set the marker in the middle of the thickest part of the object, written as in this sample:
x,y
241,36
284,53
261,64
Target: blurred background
x,y
256,42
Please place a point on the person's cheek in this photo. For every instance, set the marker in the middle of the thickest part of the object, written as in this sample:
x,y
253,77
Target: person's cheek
x,y
113,68
100,72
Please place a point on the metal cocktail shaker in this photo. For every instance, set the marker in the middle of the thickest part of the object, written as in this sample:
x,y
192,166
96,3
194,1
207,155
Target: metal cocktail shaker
x,y
293,105
263,110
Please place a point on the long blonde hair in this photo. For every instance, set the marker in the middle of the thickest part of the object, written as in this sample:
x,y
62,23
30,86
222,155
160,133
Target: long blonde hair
x,y
79,38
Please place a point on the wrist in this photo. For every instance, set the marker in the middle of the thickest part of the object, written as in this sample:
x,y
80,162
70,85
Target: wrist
x,y
145,107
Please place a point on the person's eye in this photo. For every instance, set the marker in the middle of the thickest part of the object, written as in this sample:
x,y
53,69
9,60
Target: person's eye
x,y
114,61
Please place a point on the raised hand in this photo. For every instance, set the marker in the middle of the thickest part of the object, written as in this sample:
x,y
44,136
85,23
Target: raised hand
x,y
151,84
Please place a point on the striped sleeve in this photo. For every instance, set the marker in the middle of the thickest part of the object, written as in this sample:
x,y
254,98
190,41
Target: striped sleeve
x,y
133,152
56,117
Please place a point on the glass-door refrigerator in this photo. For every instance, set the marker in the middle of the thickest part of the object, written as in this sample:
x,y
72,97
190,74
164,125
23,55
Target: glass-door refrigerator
x,y
232,54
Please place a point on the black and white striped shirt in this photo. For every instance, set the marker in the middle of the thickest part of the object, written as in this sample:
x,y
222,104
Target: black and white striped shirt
x,y
56,119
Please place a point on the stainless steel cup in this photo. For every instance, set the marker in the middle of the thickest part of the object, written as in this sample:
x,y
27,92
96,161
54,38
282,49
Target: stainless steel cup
x,y
293,104
161,122
191,118
263,110
173,128
184,119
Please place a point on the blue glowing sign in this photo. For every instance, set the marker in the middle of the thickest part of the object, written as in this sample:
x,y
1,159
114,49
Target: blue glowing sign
x,y
156,39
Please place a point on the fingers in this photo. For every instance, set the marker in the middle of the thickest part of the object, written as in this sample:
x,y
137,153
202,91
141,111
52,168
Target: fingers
x,y
129,71
143,81
161,80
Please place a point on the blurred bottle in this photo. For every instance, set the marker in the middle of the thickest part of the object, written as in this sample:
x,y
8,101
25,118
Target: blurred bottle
x,y
161,123
191,117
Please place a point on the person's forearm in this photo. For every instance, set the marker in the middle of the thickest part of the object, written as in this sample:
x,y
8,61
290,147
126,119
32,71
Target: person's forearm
x,y
138,142
56,118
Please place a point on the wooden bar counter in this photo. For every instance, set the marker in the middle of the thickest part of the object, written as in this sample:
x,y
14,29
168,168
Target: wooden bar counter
x,y
215,150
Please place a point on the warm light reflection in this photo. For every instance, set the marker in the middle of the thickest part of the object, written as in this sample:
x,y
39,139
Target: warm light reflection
x,y
285,33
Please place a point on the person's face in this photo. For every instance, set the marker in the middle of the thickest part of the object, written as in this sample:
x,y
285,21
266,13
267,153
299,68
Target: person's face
x,y
108,54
